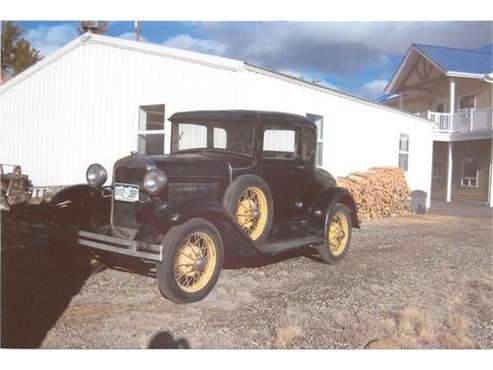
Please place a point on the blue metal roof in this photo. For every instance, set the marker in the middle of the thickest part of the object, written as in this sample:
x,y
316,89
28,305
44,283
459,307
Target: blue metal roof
x,y
486,49
459,60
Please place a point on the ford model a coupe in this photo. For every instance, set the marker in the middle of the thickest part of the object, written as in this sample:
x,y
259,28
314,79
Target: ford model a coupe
x,y
237,183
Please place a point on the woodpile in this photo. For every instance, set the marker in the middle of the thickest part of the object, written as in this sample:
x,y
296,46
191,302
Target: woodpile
x,y
379,192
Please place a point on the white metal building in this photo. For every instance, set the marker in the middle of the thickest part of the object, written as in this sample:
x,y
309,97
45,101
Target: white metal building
x,y
98,98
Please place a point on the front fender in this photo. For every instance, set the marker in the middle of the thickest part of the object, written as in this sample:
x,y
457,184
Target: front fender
x,y
236,242
81,205
325,202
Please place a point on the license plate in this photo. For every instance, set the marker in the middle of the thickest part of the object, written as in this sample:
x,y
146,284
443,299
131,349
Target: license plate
x,y
127,193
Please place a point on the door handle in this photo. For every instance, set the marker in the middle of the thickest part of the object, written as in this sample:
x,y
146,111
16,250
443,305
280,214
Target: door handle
x,y
300,167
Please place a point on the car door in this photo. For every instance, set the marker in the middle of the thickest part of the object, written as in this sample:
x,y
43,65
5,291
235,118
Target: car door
x,y
283,169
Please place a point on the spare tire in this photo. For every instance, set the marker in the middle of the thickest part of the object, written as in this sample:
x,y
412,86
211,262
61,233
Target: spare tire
x,y
249,201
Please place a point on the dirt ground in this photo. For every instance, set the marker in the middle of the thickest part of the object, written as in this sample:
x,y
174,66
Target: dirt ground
x,y
409,282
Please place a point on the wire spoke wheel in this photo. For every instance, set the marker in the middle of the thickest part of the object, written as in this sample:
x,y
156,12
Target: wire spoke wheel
x,y
252,212
195,262
338,234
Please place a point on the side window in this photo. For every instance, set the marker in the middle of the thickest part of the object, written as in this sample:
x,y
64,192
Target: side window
x,y
404,151
308,145
319,122
220,138
279,143
150,136
469,172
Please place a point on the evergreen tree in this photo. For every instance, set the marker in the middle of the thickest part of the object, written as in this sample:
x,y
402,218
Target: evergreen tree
x,y
17,52
25,56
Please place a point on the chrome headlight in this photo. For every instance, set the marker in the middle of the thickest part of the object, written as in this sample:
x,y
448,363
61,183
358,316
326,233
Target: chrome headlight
x,y
154,181
96,175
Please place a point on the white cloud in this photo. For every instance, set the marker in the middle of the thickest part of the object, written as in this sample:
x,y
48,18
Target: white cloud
x,y
50,38
372,89
184,41
345,49
131,36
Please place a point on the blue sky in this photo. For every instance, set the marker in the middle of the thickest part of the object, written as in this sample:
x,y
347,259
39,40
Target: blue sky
x,y
357,57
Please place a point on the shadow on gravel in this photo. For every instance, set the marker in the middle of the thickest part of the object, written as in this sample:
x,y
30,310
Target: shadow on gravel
x,y
35,291
262,260
164,340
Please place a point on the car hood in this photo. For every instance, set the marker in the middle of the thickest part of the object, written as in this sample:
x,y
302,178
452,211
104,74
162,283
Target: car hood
x,y
196,165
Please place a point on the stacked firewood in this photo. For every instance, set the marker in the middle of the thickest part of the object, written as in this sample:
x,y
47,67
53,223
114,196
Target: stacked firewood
x,y
379,192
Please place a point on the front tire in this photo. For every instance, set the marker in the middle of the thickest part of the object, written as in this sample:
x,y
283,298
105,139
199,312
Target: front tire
x,y
192,261
338,235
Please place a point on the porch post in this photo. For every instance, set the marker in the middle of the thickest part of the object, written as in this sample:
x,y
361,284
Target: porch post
x,y
449,172
452,102
401,101
490,190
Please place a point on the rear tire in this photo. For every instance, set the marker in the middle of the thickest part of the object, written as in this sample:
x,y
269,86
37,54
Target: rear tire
x,y
249,201
338,235
192,261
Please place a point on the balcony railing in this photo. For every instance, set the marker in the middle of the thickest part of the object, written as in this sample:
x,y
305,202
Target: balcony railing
x,y
466,121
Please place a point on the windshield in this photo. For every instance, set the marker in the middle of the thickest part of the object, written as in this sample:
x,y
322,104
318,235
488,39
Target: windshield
x,y
235,137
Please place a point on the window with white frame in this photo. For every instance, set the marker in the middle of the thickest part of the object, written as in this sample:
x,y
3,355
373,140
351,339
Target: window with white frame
x,y
150,136
467,102
469,172
319,122
404,151
436,175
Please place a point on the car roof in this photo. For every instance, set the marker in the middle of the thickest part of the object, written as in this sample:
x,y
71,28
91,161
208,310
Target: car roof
x,y
241,115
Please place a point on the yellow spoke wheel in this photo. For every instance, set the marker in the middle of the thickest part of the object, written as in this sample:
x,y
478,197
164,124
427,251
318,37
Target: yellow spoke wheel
x,y
252,212
338,234
195,262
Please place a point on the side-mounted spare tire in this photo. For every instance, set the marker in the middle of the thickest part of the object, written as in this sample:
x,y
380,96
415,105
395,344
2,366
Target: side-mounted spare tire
x,y
248,200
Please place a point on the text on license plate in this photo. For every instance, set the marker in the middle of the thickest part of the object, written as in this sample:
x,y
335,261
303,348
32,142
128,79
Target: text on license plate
x,y
126,192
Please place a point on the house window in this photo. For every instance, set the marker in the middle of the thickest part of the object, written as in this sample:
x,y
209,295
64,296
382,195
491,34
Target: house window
x,y
279,144
436,175
440,108
470,172
467,102
319,122
150,136
404,151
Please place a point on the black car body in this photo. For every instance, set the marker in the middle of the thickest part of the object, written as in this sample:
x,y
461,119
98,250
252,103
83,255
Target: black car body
x,y
298,197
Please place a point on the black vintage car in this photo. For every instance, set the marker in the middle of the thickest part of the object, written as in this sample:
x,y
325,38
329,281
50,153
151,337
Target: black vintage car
x,y
237,183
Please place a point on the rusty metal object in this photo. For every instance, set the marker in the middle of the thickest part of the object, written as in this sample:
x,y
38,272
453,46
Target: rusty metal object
x,y
16,188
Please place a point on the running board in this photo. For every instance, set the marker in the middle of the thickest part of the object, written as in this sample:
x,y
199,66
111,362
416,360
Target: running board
x,y
284,245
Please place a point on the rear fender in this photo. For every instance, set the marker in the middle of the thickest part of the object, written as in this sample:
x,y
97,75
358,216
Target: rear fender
x,y
321,210
236,242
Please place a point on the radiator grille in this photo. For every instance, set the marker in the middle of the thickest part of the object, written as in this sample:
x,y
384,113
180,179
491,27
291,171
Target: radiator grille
x,y
124,214
130,175
192,189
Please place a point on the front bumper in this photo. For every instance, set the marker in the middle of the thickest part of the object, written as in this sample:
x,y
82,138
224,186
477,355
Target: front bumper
x,y
133,248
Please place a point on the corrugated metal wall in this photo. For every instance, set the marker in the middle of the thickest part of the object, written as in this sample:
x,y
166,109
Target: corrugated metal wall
x,y
84,108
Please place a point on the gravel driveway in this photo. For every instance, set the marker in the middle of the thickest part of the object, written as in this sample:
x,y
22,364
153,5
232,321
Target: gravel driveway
x,y
410,282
